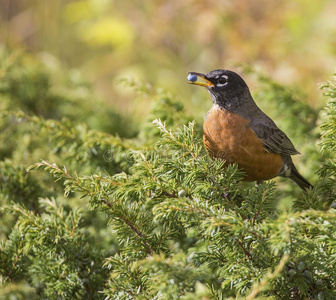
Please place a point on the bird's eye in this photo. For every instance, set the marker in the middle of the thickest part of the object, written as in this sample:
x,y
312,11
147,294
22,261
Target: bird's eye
x,y
221,80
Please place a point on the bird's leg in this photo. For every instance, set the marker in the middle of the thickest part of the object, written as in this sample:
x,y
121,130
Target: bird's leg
x,y
258,182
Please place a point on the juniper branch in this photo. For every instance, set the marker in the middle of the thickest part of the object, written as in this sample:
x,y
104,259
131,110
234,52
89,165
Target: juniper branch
x,y
262,285
63,173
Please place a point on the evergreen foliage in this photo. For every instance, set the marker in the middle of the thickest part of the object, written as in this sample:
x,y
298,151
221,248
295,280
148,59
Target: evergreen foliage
x,y
86,214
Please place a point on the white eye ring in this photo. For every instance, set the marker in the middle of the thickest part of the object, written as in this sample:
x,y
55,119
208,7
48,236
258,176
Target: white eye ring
x,y
222,80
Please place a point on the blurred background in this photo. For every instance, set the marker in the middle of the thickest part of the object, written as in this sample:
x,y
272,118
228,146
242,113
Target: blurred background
x,y
158,42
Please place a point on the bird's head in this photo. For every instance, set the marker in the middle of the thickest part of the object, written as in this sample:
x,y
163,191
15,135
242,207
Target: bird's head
x,y
226,88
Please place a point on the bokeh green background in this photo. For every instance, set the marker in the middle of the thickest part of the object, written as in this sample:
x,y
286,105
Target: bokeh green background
x,y
158,42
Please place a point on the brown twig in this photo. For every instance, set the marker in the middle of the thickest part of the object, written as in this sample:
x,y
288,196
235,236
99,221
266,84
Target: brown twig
x,y
246,252
169,194
136,230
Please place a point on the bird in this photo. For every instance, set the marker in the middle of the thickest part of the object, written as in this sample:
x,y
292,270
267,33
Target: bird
x,y
237,131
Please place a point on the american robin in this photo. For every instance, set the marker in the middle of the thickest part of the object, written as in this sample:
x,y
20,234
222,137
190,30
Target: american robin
x,y
237,131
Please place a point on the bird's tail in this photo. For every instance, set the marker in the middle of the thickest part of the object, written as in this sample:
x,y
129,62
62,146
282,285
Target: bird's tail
x,y
299,179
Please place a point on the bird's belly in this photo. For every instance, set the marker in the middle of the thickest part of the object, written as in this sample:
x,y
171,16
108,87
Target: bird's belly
x,y
228,136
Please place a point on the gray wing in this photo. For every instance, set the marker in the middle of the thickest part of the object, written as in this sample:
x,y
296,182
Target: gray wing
x,y
274,139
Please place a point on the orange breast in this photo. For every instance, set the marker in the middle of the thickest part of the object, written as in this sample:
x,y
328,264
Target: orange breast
x,y
228,136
